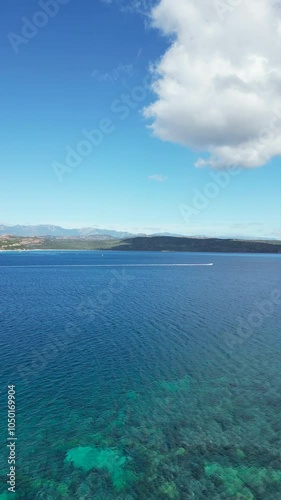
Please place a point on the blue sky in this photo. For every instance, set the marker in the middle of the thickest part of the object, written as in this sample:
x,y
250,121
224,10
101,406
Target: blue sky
x,y
89,68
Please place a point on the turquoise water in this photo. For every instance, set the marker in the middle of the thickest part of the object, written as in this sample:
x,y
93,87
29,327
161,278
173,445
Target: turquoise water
x,y
142,382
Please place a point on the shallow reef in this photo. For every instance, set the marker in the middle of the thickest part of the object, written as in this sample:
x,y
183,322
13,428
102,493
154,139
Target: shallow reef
x,y
87,458
181,439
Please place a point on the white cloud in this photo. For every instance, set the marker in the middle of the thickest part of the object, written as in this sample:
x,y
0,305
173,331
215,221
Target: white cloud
x,y
218,86
157,178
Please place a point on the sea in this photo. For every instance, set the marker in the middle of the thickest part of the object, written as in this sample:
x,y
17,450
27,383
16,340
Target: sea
x,y
140,375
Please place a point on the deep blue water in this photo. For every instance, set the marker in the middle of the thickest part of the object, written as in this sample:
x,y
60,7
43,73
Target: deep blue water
x,y
136,381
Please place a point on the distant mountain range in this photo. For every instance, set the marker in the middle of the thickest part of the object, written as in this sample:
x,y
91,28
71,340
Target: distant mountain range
x,y
61,232
51,231
57,231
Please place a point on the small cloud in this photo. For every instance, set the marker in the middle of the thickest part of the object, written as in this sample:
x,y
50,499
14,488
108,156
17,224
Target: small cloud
x,y
121,72
134,6
247,225
157,178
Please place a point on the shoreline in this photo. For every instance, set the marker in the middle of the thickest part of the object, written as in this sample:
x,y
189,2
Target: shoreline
x,y
213,252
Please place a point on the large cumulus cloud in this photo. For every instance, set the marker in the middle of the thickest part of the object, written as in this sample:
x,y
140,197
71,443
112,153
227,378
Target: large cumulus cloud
x,y
218,86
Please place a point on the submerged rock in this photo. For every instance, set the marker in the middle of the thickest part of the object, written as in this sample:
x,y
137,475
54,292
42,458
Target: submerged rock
x,y
87,458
